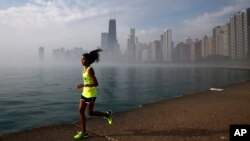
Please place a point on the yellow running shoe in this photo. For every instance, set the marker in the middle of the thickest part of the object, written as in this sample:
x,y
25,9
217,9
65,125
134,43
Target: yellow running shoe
x,y
80,135
109,118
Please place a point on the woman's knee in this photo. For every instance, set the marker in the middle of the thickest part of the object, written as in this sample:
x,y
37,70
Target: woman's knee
x,y
82,107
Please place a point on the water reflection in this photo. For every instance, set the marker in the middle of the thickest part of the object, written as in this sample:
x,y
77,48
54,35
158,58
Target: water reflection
x,y
131,85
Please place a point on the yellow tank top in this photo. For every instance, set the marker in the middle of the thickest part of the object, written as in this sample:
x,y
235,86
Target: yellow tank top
x,y
88,92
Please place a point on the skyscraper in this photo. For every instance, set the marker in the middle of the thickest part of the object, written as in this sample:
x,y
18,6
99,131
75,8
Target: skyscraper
x,y
131,50
183,51
197,50
217,41
207,43
158,47
112,40
154,51
110,44
104,41
240,31
113,44
167,45
41,53
225,40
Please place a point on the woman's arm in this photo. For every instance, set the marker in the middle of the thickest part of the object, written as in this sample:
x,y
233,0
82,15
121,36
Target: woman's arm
x,y
79,86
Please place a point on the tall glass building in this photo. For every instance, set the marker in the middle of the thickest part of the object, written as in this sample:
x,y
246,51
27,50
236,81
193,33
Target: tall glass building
x,y
240,39
109,43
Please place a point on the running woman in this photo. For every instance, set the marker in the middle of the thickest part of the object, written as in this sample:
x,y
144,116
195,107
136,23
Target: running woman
x,y
89,93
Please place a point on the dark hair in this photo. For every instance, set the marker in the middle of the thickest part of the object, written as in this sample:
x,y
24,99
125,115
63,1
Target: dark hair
x,y
93,56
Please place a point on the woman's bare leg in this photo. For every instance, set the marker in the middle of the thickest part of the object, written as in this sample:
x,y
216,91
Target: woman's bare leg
x,y
82,107
95,113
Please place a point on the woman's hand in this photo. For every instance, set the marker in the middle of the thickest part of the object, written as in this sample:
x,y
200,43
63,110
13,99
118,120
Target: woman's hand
x,y
79,86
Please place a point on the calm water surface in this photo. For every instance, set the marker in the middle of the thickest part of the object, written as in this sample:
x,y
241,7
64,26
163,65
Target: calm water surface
x,y
33,95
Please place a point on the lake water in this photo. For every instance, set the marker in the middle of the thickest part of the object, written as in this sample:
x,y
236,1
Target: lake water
x,y
34,95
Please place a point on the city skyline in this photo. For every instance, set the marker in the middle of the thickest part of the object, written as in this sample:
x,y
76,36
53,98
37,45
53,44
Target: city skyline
x,y
229,42
26,24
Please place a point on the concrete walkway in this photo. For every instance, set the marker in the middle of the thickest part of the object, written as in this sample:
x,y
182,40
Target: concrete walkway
x,y
202,116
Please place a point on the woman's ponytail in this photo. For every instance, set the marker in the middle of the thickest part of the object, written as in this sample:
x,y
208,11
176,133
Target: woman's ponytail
x,y
93,56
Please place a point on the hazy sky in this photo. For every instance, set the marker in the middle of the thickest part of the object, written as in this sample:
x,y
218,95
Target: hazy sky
x,y
26,25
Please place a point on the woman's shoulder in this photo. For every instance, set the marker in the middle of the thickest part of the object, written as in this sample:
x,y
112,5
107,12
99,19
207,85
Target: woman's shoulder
x,y
90,70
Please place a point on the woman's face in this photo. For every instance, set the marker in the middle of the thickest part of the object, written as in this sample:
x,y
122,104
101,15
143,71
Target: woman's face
x,y
84,61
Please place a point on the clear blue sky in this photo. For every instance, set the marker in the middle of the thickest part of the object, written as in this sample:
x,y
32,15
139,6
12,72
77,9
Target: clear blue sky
x,y
26,25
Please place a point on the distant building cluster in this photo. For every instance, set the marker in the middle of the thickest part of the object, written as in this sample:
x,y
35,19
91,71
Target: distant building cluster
x,y
68,54
109,45
230,41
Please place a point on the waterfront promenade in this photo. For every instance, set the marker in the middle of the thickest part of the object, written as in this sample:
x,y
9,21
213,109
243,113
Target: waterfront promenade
x,y
201,116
